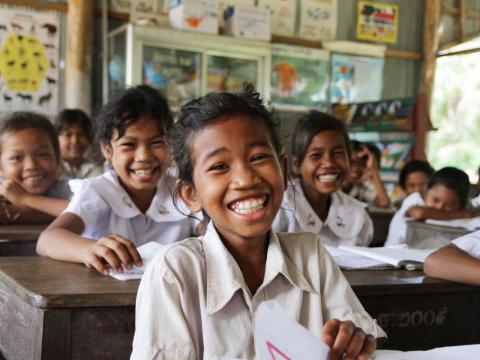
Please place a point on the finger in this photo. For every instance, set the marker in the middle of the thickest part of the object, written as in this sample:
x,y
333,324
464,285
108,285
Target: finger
x,y
330,331
356,344
120,249
369,347
344,336
131,248
97,264
110,257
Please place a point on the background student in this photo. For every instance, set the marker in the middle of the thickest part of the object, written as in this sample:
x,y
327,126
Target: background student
x,y
29,165
458,261
364,182
75,135
413,177
130,205
206,290
445,198
314,200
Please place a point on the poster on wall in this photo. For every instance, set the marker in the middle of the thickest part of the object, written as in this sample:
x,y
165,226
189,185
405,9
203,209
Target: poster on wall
x,y
299,77
29,56
355,79
377,21
318,19
283,15
141,6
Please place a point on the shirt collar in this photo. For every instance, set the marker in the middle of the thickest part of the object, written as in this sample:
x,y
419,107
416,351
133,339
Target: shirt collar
x,y
224,277
161,209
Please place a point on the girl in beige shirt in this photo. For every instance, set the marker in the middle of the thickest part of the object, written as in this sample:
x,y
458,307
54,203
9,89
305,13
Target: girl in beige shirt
x,y
199,297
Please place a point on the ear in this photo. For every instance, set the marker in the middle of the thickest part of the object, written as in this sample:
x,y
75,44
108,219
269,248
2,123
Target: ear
x,y
189,196
295,166
106,151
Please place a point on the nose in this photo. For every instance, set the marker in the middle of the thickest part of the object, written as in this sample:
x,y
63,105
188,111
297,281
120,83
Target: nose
x,y
245,177
327,159
29,162
143,153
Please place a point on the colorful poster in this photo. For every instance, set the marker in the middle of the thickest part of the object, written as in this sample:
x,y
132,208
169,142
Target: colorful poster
x,y
318,19
356,79
229,74
141,6
377,21
29,55
283,15
299,76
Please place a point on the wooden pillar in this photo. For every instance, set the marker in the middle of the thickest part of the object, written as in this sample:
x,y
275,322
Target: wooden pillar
x,y
79,55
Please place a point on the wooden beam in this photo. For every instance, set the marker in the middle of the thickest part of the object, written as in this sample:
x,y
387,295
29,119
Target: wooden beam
x,y
62,7
454,43
447,9
430,46
78,68
461,20
403,54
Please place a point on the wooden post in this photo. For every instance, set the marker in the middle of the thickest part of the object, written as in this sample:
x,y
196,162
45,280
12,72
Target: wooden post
x,y
461,21
430,46
79,55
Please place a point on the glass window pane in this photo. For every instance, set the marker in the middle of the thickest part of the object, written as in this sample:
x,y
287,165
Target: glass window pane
x,y
229,74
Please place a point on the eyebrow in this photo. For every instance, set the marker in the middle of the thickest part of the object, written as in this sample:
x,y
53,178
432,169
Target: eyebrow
x,y
251,144
322,148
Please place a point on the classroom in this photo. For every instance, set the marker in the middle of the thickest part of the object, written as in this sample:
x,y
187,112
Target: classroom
x,y
239,179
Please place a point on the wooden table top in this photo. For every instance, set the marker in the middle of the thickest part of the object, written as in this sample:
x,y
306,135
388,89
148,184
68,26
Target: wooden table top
x,y
48,283
27,232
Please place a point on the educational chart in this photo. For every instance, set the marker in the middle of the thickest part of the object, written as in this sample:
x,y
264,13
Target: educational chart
x,y
142,6
299,77
318,19
29,55
355,79
377,21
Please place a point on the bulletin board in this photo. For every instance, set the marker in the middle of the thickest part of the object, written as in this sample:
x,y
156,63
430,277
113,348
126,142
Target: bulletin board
x,y
29,61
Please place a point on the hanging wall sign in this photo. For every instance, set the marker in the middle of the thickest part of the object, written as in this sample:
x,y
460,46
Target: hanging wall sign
x,y
318,19
29,55
377,21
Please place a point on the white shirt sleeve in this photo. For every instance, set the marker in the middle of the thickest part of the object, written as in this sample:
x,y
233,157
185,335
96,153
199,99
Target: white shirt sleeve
x,y
469,243
340,302
365,235
398,226
161,325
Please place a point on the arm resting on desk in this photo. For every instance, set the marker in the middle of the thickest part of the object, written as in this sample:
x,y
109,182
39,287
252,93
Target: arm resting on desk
x,y
452,263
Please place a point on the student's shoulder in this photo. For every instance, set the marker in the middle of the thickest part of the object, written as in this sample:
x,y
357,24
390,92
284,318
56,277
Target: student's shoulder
x,y
345,200
185,255
299,242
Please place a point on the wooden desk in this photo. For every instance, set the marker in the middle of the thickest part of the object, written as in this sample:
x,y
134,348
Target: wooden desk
x,y
418,312
19,240
381,219
421,235
56,310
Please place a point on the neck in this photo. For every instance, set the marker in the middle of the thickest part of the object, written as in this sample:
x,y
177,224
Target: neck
x,y
251,257
76,163
319,202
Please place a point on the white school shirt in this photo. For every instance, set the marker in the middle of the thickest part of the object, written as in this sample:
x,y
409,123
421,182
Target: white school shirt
x,y
364,191
475,202
347,222
86,170
105,208
397,231
469,243
193,302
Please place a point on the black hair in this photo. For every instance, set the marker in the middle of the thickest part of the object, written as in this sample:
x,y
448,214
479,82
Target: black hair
x,y
310,125
211,108
127,107
412,166
22,120
374,149
454,179
356,145
69,117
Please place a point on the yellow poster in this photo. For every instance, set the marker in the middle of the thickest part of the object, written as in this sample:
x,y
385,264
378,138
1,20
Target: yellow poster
x,y
377,21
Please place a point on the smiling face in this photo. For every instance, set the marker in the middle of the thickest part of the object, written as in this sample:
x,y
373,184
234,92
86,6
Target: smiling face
x,y
73,143
237,178
416,182
325,165
29,159
139,158
442,198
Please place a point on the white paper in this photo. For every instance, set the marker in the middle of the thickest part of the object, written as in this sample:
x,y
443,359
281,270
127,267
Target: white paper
x,y
468,224
147,252
393,256
279,338
349,260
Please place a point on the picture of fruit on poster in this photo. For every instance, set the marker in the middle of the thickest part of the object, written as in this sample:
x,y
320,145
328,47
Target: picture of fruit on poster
x,y
299,77
29,56
377,21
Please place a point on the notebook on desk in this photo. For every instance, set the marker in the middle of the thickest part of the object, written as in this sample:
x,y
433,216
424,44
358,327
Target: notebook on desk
x,y
147,252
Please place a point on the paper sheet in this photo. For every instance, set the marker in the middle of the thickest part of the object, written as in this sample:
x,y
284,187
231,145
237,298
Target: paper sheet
x,y
147,252
349,261
279,338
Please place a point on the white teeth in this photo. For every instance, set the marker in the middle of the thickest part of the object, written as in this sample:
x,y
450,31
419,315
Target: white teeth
x,y
249,206
327,178
34,178
143,172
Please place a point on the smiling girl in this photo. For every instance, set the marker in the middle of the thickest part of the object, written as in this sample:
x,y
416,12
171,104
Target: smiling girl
x,y
112,214
198,298
314,201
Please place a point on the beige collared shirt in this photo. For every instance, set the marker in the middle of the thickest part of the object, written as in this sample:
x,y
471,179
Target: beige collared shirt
x,y
193,302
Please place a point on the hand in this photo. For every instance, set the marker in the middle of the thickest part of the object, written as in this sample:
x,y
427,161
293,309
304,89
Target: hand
x,y
113,250
372,162
13,192
347,341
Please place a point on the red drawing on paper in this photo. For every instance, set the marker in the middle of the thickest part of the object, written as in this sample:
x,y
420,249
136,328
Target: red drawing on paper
x,y
276,353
